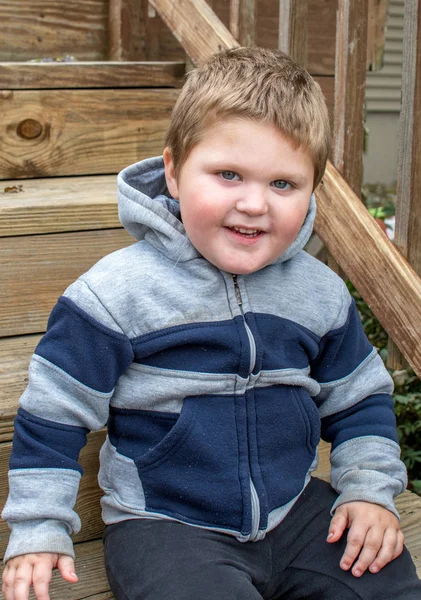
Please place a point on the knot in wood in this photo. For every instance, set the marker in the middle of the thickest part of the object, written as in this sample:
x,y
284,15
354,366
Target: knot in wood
x,y
29,129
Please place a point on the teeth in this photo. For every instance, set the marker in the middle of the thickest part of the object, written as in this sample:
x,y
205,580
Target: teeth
x,y
246,231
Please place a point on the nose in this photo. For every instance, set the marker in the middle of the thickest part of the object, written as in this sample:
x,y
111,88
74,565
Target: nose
x,y
253,201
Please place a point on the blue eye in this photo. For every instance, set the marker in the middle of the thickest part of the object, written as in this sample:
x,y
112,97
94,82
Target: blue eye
x,y
281,184
229,175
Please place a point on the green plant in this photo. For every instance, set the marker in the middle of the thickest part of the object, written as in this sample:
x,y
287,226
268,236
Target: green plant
x,y
407,396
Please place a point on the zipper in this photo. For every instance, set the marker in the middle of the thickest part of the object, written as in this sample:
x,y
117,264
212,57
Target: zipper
x,y
255,503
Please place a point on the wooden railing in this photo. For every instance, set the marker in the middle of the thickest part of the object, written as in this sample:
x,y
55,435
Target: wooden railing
x,y
384,278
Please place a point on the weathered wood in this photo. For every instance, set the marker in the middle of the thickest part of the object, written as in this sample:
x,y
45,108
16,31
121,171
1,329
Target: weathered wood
x,y
15,354
36,28
243,21
196,27
377,16
387,283
58,204
78,132
350,75
408,200
36,270
22,75
127,29
88,501
293,20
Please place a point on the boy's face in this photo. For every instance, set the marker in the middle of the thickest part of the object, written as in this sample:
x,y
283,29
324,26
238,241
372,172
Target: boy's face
x,y
244,192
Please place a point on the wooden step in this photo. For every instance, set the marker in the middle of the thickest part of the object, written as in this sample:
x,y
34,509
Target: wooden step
x,y
58,204
56,75
36,269
52,133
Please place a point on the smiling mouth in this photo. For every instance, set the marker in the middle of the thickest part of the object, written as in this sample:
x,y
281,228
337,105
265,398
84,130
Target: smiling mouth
x,y
250,233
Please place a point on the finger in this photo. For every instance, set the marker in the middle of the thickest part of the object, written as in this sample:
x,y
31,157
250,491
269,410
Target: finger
x,y
66,566
22,582
338,524
399,544
41,579
372,546
355,542
386,551
8,581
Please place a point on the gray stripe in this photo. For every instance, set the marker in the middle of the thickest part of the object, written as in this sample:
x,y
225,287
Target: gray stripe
x,y
54,395
368,468
370,377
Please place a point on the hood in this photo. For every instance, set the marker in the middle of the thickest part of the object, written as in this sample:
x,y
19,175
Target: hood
x,y
147,211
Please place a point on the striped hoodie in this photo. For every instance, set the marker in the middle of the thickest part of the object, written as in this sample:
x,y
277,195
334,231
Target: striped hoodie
x,y
215,388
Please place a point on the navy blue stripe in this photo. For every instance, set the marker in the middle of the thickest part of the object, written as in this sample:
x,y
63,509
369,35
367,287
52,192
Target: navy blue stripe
x,y
372,416
38,443
216,347
84,348
281,343
342,350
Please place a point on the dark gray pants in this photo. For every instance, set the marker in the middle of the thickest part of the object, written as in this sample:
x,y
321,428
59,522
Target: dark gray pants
x,y
163,560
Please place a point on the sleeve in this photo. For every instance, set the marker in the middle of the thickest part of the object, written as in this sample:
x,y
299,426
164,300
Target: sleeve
x,y
357,416
72,376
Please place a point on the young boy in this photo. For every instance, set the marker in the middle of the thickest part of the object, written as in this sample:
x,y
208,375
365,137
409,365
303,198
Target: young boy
x,y
217,351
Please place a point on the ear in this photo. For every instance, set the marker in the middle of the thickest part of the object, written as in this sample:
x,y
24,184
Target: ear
x,y
170,173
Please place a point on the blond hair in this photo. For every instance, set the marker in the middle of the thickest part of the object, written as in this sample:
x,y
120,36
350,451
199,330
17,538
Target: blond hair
x,y
261,84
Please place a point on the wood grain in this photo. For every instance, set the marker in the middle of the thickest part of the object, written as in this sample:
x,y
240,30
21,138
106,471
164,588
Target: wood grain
x,y
196,27
23,75
243,21
387,283
81,132
15,354
36,270
293,29
58,204
37,28
127,26
408,197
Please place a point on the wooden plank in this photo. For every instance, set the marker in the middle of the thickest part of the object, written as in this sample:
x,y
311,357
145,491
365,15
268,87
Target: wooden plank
x,y
80,132
88,501
195,25
377,16
36,270
384,279
23,75
58,204
350,76
127,29
39,28
293,19
408,200
243,21
15,354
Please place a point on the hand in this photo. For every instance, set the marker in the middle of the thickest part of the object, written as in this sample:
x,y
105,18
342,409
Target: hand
x,y
374,538
25,570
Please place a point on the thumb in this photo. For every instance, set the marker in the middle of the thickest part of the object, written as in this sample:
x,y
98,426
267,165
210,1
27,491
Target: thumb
x,y
66,566
338,524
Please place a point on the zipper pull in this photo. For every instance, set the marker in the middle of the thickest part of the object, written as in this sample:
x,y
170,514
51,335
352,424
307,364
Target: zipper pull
x,y
237,291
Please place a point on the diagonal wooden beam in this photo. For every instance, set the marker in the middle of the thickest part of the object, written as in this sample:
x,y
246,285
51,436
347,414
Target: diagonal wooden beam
x,y
375,266
195,25
387,283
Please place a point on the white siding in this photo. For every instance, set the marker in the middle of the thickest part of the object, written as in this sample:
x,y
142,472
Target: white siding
x,y
383,91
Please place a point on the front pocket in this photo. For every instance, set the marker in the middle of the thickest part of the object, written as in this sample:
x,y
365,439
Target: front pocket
x,y
193,474
286,432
